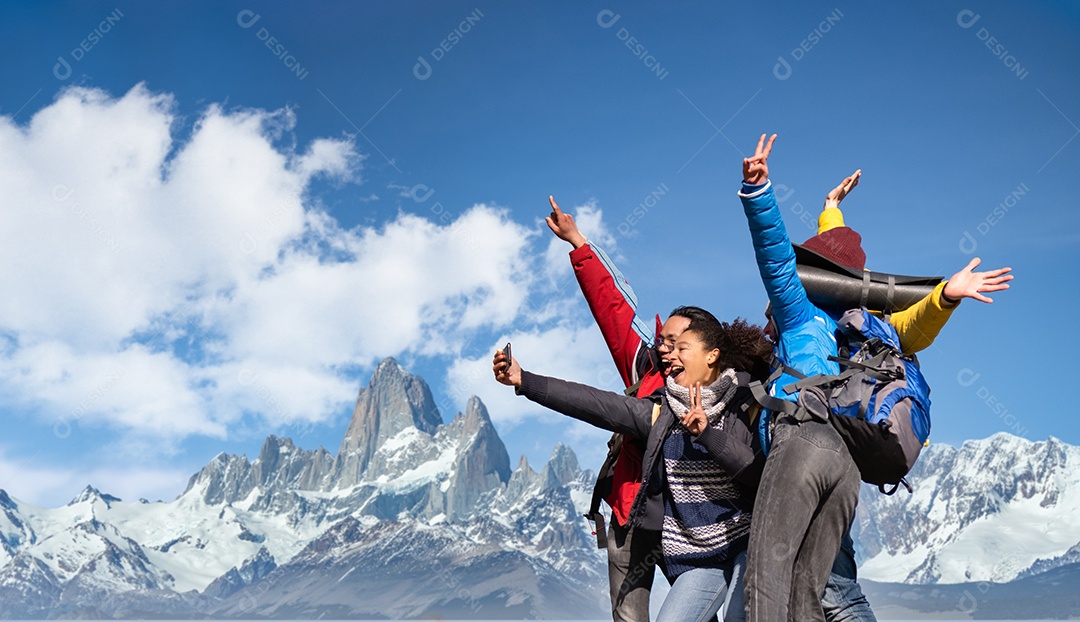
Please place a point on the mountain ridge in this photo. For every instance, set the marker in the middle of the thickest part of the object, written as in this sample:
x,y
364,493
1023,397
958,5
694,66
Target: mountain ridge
x,y
241,525
436,506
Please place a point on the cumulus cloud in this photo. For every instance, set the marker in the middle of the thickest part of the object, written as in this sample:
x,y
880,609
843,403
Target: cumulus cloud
x,y
172,285
556,337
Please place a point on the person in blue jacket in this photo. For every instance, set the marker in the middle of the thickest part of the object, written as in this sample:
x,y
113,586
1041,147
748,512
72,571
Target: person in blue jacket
x,y
810,484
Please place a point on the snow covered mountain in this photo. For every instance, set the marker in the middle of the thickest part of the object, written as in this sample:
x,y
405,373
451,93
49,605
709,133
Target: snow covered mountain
x,y
407,498
414,517
991,510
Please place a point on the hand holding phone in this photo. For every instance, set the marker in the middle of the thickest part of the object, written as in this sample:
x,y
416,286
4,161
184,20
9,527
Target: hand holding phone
x,y
502,370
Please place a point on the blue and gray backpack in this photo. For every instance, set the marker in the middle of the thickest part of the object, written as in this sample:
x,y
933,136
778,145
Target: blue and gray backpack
x,y
879,402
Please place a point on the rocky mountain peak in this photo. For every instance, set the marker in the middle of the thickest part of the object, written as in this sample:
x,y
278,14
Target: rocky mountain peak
x,y
225,479
561,469
282,465
476,415
93,494
482,463
522,480
393,401
6,501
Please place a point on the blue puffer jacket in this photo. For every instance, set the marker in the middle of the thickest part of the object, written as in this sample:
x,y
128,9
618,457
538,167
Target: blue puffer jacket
x,y
807,335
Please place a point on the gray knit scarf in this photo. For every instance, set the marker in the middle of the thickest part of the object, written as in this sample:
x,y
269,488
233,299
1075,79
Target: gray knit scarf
x,y
714,398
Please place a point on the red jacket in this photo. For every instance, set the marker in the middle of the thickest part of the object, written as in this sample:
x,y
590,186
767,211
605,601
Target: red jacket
x,y
614,306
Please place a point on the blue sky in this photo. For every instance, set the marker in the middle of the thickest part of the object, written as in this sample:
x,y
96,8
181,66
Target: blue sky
x,y
218,217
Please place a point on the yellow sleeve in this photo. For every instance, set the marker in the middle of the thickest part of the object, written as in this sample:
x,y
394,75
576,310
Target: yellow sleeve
x,y
830,218
919,324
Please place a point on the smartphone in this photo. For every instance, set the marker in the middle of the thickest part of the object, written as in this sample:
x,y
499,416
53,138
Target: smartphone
x,y
506,351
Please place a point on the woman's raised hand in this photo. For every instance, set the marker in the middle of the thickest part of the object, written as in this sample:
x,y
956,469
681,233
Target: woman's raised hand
x,y
695,420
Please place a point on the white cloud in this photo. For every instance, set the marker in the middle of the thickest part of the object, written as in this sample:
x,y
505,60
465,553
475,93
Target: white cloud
x,y
32,480
134,389
196,278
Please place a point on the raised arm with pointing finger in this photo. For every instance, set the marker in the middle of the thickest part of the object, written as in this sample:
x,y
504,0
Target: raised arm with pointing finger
x,y
612,301
632,553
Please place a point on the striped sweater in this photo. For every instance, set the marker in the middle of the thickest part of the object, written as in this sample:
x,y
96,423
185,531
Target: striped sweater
x,y
706,514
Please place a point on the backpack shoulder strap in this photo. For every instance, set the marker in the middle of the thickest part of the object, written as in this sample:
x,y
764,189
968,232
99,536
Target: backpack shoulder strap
x,y
614,449
774,404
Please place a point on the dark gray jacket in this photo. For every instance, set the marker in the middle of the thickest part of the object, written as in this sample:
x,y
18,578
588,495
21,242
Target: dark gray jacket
x,y
735,448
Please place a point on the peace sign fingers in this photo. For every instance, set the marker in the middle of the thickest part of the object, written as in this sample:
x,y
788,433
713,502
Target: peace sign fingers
x,y
756,168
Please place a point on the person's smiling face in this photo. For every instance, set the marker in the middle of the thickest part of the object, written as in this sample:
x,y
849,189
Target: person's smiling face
x,y
669,334
690,362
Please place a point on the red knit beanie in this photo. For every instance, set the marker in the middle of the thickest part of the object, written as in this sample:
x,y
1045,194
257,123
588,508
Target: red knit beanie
x,y
842,245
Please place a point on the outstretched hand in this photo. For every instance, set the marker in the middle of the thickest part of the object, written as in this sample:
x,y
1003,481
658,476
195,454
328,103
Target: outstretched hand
x,y
563,225
695,420
755,170
970,284
506,372
838,193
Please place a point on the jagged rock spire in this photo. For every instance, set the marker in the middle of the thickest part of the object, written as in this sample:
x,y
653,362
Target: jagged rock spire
x,y
482,461
393,400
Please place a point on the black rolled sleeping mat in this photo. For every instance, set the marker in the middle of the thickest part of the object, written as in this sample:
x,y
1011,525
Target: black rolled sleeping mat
x,y
832,286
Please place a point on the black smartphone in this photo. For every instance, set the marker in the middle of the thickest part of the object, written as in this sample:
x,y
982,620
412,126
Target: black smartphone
x,y
506,351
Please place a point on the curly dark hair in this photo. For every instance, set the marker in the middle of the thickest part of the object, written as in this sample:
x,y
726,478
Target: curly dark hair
x,y
742,345
745,347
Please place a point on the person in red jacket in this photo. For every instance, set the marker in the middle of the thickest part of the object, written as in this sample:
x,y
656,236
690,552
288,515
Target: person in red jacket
x,y
632,553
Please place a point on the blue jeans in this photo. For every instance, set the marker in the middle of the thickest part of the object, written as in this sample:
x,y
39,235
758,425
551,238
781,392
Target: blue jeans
x,y
698,595
805,503
844,600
